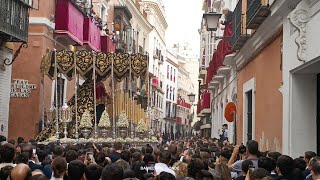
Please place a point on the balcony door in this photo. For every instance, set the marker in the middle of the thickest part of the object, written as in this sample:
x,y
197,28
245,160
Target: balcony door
x,y
249,115
249,110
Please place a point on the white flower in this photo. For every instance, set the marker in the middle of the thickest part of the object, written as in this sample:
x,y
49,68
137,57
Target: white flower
x,y
86,120
104,120
123,120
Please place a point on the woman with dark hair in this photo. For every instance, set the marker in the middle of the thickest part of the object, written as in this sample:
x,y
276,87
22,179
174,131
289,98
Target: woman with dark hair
x,y
59,168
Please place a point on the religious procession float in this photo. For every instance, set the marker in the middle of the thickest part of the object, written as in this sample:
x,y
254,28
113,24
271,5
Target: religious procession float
x,y
94,114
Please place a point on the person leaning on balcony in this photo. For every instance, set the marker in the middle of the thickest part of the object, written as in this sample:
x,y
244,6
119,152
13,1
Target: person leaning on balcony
x,y
227,16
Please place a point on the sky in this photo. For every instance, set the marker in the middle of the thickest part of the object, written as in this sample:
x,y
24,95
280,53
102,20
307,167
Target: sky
x,y
184,19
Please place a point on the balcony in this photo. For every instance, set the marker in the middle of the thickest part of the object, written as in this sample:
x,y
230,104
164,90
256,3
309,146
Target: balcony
x,y
205,104
69,22
91,35
122,17
161,59
14,20
257,12
240,35
156,54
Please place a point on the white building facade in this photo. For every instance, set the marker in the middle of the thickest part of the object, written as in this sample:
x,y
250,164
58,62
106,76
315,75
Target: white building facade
x,y
301,80
171,95
5,89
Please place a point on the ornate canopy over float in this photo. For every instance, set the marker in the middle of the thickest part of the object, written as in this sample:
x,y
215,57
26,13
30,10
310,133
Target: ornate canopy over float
x,y
93,114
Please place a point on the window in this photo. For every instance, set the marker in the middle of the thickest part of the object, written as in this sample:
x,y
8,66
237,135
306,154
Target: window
x,y
144,44
171,74
168,72
103,14
174,75
249,110
173,94
249,115
167,94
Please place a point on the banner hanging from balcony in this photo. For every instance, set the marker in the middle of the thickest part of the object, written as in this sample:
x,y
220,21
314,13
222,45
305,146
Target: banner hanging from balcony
x,y
83,61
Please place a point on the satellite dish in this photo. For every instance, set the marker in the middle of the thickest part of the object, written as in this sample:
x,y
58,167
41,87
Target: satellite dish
x,y
230,111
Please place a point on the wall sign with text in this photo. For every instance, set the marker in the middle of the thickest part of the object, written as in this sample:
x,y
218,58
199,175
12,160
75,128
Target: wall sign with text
x,y
21,88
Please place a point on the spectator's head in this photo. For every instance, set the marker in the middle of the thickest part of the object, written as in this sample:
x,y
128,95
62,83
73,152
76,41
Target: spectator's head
x,y
39,177
297,174
129,174
225,126
194,167
41,155
225,156
12,141
118,146
7,153
2,138
20,140
123,164
274,155
148,158
136,157
260,173
59,167
252,147
246,165
28,149
223,171
125,155
93,172
71,155
57,151
267,163
299,163
149,149
204,175
166,176
22,158
308,155
181,169
76,169
21,172
112,172
138,168
5,172
100,159
284,165
165,157
173,149
315,167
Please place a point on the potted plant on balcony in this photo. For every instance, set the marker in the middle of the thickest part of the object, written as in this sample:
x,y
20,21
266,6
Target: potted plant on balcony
x,y
104,124
141,129
123,124
86,124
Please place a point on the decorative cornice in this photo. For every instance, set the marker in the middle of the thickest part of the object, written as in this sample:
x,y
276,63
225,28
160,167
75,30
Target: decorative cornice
x,y
156,7
42,21
299,19
136,13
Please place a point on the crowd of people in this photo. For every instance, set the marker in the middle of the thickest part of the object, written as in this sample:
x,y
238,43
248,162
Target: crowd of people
x,y
187,159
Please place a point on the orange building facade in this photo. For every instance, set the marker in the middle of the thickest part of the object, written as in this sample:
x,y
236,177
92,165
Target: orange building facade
x,y
259,115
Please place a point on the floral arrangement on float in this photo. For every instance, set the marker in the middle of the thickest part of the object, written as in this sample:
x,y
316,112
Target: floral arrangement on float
x,y
104,120
141,127
123,121
86,124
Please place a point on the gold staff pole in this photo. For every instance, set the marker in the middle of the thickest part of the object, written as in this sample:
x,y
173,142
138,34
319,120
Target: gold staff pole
x,y
149,88
113,100
56,92
94,95
42,99
76,81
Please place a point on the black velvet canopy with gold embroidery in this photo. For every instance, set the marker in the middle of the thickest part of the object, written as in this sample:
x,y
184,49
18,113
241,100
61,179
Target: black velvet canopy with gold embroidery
x,y
83,61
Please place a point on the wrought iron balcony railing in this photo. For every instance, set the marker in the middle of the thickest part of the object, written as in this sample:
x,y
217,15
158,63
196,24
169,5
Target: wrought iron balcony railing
x,y
257,12
14,21
240,35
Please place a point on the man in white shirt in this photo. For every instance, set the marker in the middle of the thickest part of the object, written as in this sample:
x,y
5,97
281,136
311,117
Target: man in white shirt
x,y
224,135
163,162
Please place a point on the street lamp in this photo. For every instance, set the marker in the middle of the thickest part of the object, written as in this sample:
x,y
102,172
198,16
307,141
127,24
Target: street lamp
x,y
212,20
192,97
